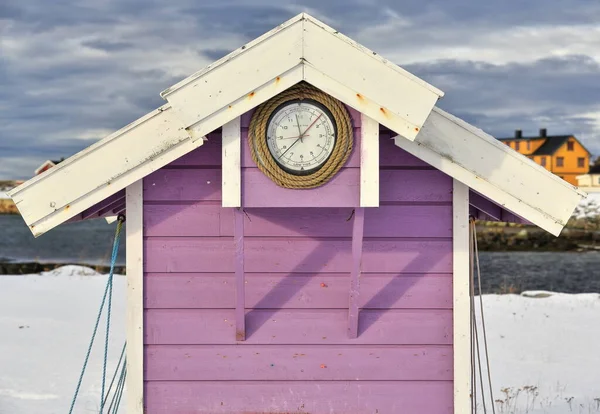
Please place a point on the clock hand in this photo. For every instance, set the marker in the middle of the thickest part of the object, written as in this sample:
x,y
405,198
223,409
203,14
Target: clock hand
x,y
294,143
300,132
313,123
303,136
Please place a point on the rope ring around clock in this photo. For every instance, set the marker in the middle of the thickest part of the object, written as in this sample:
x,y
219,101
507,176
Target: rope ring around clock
x,y
260,151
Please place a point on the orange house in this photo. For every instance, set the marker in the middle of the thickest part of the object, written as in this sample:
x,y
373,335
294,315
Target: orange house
x,y
562,155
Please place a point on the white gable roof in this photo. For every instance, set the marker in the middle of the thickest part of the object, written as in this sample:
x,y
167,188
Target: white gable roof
x,y
301,49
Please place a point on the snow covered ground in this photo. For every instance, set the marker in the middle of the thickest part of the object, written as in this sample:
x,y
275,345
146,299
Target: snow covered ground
x,y
544,350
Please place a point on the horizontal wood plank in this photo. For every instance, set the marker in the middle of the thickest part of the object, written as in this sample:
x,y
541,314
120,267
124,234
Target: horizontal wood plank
x,y
296,397
296,255
183,185
341,191
184,220
402,186
321,291
202,220
297,363
299,326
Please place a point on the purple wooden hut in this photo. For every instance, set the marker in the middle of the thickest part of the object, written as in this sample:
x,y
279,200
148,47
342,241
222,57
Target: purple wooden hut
x,y
298,231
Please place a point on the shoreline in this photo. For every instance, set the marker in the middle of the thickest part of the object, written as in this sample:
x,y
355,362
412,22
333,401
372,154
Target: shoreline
x,y
26,268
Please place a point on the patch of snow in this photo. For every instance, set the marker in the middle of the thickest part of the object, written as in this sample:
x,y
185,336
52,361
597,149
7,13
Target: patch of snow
x,y
46,321
543,345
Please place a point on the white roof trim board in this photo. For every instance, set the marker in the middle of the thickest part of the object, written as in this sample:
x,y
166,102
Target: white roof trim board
x,y
302,48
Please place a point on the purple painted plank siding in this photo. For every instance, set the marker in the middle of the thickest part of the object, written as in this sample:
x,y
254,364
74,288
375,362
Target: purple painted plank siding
x,y
298,363
285,290
210,220
298,255
396,186
299,397
298,326
297,263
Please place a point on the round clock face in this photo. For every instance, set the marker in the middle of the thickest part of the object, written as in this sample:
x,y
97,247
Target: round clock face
x,y
301,136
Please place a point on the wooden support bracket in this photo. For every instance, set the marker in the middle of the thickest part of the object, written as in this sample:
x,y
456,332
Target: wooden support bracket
x,y
357,246
240,302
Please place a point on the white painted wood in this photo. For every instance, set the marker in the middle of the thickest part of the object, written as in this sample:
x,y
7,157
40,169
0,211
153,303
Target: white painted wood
x,y
356,100
244,104
369,162
238,74
135,298
494,170
231,173
394,91
461,299
102,169
363,79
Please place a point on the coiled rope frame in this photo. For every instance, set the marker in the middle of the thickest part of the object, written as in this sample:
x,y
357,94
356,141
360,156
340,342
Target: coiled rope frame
x,y
257,138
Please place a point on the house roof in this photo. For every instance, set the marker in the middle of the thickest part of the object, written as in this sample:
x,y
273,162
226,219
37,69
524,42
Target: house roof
x,y
301,49
551,144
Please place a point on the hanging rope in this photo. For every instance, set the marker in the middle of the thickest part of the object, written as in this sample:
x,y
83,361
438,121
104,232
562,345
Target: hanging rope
x,y
107,294
474,268
257,138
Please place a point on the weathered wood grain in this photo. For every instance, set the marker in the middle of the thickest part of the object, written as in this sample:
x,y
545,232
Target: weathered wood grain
x,y
299,397
296,255
299,326
298,363
318,291
207,220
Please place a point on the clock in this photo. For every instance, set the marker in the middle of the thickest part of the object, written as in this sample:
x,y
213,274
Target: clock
x,y
301,138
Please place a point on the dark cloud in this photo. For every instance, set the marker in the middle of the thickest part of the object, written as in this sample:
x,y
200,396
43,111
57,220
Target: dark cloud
x,y
107,45
547,93
73,69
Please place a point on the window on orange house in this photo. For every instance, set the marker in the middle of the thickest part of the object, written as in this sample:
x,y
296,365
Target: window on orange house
x,y
581,162
560,161
570,146
543,161
517,145
528,146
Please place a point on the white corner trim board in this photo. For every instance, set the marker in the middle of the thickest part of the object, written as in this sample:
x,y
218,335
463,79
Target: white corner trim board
x,y
231,174
461,315
369,162
492,169
135,298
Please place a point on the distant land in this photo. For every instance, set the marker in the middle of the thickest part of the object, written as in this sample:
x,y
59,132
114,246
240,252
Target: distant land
x,y
6,204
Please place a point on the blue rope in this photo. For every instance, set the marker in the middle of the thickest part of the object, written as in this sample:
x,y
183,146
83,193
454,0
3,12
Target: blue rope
x,y
107,291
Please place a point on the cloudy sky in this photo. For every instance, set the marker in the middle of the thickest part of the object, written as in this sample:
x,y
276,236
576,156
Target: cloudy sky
x,y
72,71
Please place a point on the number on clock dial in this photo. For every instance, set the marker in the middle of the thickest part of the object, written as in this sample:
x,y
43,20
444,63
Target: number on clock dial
x,y
301,136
